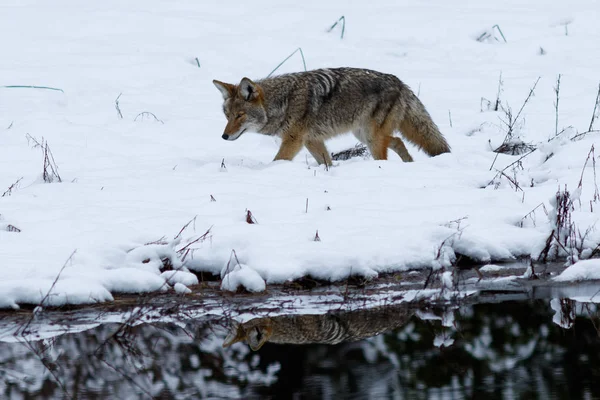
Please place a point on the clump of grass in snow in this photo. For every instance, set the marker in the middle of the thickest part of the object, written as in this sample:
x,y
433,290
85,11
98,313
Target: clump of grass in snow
x,y
359,150
50,169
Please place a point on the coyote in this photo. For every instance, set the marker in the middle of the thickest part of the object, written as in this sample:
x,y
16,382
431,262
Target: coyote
x,y
306,108
331,328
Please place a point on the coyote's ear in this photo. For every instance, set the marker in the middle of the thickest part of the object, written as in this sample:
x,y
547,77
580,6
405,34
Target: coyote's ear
x,y
236,334
226,89
248,89
259,335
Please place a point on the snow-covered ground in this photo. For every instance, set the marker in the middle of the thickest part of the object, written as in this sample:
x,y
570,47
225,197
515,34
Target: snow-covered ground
x,y
139,179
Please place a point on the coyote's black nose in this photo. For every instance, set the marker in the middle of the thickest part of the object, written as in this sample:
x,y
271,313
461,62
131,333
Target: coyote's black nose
x,y
225,136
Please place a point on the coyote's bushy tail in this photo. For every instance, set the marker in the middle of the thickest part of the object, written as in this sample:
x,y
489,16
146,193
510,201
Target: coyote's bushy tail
x,y
418,128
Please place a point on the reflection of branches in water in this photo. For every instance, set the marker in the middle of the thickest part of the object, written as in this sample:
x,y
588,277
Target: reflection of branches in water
x,y
512,345
145,359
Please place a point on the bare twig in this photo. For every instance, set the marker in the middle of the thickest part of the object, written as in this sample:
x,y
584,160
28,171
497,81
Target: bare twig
x,y
12,187
591,156
228,267
583,134
186,249
557,91
183,228
531,214
500,90
50,167
24,330
117,106
595,109
510,165
148,113
50,171
511,122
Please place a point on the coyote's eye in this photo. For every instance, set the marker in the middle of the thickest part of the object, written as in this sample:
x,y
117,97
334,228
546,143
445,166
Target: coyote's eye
x,y
240,115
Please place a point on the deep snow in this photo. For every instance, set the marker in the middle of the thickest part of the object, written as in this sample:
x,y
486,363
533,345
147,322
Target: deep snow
x,y
130,181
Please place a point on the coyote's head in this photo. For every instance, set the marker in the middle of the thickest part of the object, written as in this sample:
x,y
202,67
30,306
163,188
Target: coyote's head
x,y
254,332
243,107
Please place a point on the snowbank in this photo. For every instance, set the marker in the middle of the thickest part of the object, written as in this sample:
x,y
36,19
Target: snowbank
x,y
134,135
581,271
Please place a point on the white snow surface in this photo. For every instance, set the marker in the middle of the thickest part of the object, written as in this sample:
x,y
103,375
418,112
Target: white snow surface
x,y
181,288
130,181
244,276
580,271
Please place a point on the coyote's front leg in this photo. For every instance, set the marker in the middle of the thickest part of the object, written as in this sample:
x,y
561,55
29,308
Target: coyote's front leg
x,y
291,144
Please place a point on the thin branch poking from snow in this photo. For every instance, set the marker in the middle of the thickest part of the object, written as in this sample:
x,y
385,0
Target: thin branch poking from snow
x,y
183,228
511,122
501,172
228,267
50,164
500,90
58,277
557,91
582,134
148,113
12,187
591,155
22,331
50,168
595,109
36,143
531,214
185,250
117,106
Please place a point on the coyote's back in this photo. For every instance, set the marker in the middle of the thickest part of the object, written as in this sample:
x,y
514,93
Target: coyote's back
x,y
307,108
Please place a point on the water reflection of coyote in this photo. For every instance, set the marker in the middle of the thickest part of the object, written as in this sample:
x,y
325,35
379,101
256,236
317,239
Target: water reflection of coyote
x,y
330,328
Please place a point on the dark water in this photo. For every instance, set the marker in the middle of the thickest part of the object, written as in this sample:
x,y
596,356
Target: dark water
x,y
493,351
